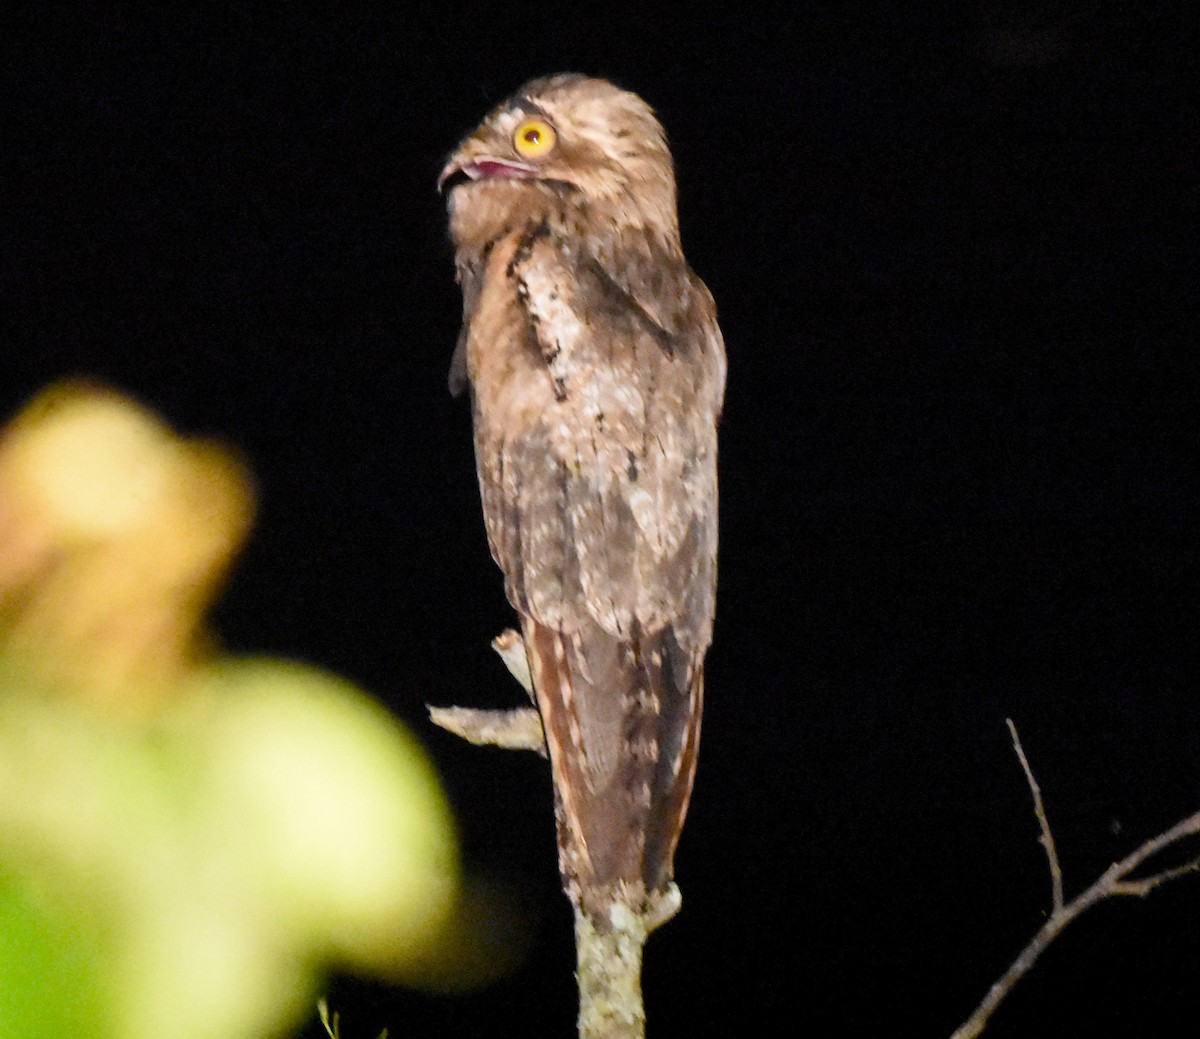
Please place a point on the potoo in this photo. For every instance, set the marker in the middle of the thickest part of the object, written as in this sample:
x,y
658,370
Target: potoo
x,y
597,372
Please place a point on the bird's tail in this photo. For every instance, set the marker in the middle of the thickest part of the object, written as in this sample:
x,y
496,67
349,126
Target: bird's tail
x,y
622,721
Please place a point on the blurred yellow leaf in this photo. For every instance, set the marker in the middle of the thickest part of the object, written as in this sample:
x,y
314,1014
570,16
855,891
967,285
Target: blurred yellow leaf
x,y
187,840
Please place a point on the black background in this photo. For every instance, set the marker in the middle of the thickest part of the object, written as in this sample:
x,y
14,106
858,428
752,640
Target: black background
x,y
953,259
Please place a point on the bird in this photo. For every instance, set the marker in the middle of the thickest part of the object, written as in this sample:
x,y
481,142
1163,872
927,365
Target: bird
x,y
596,370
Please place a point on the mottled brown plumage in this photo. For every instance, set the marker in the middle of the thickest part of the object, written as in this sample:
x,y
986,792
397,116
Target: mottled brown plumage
x,y
597,372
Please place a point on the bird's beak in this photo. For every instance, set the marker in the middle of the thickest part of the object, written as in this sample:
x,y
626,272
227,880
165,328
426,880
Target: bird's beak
x,y
465,166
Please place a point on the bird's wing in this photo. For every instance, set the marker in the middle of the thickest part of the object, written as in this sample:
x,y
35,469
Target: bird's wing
x,y
606,505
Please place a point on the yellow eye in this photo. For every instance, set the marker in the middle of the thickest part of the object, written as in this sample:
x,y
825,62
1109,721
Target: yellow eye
x,y
534,138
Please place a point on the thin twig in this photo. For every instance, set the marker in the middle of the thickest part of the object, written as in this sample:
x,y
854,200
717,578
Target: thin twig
x,y
1047,838
1112,882
1144,885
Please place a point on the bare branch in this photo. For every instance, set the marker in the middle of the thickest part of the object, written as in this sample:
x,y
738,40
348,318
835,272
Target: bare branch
x,y
516,729
609,973
511,649
1144,885
1047,838
1113,882
1184,828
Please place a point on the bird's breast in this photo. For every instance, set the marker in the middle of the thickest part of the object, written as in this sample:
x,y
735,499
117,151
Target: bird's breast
x,y
534,355
503,357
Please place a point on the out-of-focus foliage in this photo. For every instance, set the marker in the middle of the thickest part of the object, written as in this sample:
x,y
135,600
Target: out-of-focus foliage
x,y
187,840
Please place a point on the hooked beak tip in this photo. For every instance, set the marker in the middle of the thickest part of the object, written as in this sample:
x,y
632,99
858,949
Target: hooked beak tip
x,y
484,167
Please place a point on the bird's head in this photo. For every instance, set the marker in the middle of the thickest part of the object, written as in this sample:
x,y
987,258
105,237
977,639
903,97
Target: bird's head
x,y
576,153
